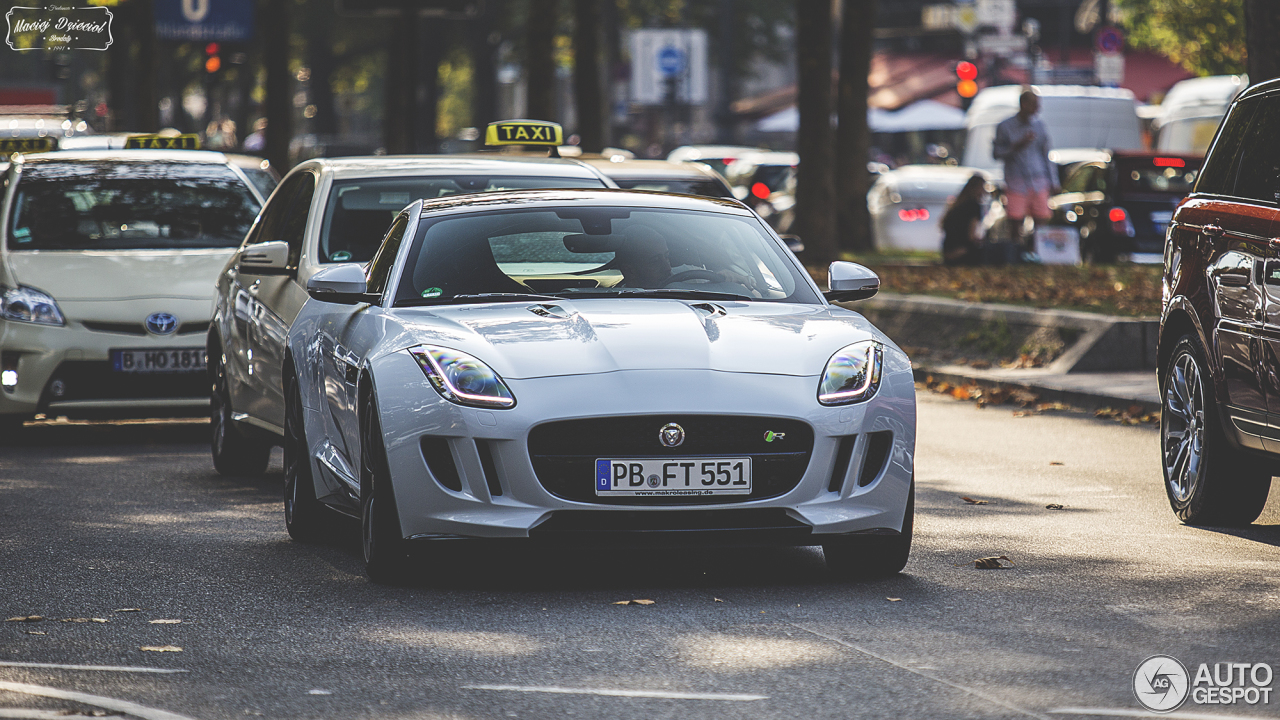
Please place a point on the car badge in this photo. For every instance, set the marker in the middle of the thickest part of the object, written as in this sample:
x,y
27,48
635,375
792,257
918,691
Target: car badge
x,y
671,435
770,436
161,323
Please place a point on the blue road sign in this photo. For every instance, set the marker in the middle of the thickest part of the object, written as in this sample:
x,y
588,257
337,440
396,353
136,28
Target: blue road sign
x,y
204,20
1110,40
670,61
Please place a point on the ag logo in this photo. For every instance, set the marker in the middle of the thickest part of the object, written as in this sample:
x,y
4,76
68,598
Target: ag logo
x,y
1161,683
671,435
161,323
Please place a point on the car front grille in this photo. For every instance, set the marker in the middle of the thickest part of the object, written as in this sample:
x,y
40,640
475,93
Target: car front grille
x,y
564,452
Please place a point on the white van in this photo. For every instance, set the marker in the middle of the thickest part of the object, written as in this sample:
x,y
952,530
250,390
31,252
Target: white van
x,y
1192,110
1077,116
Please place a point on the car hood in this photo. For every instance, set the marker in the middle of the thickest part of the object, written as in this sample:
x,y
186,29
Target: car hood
x,y
119,275
530,340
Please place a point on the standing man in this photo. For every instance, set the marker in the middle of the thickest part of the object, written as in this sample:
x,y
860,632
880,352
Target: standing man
x,y
1022,142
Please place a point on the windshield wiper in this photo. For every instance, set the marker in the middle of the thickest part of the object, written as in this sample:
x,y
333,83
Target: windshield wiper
x,y
477,297
674,294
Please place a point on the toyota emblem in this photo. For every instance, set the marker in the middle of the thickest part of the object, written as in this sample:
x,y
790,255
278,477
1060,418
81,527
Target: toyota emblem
x,y
671,435
161,323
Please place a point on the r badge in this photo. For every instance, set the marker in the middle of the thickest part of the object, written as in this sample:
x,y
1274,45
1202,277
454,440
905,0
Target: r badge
x,y
770,436
671,435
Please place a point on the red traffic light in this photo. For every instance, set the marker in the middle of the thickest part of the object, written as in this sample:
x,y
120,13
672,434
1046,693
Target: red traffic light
x,y
966,70
211,49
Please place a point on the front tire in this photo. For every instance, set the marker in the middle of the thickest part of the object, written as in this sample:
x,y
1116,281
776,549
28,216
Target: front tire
x,y
233,453
385,550
871,556
1208,481
305,517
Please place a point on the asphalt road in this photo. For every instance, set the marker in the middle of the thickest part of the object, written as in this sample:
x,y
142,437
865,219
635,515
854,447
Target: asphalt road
x,y
130,525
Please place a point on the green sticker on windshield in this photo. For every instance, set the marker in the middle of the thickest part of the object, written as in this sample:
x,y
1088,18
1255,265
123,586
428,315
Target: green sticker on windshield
x,y
432,293
340,256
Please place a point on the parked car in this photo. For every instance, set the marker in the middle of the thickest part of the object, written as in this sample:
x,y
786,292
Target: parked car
x,y
109,259
688,178
594,367
1218,354
1118,207
907,203
1191,112
326,211
717,156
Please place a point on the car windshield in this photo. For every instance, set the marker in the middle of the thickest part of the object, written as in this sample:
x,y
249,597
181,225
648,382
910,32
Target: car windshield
x,y
709,188
598,252
1164,176
359,211
129,206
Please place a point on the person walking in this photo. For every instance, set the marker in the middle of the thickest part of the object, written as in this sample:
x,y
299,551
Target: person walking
x,y
962,225
1022,143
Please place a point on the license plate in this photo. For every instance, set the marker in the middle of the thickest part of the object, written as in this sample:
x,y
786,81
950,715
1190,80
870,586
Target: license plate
x,y
667,477
158,361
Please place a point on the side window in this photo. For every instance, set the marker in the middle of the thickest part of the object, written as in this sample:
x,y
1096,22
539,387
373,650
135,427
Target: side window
x,y
294,226
267,227
1258,177
380,267
1219,173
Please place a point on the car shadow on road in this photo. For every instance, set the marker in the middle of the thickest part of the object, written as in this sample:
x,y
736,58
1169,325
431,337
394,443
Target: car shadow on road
x,y
41,434
1265,534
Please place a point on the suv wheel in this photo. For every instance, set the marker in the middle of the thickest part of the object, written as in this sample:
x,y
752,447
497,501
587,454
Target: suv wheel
x,y
1208,482
233,453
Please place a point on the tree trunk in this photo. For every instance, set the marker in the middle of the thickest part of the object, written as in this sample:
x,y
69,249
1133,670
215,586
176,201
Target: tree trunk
x,y
1261,28
322,62
540,67
147,112
587,85
484,50
401,78
279,103
426,109
728,72
853,137
815,191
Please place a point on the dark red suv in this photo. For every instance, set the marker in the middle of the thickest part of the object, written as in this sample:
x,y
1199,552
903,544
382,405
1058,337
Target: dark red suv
x,y
1219,352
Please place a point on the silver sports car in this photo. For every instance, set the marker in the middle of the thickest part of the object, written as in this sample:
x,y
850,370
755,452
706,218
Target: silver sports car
x,y
596,366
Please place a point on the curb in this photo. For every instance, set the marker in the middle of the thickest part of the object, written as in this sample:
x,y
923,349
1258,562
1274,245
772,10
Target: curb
x,y
1083,400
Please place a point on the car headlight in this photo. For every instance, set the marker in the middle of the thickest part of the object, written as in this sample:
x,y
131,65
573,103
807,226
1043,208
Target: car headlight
x,y
26,305
852,375
462,379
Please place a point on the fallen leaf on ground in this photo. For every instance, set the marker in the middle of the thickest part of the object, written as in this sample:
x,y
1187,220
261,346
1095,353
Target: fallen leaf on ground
x,y
160,648
1053,506
165,622
971,501
993,563
1055,462
893,599
82,620
25,618
36,632
717,600
129,610
634,602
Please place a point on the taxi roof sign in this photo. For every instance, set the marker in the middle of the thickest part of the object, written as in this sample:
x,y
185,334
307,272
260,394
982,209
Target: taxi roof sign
x,y
8,146
189,141
524,132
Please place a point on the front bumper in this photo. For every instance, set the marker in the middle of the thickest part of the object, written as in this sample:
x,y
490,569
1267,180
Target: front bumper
x,y
488,484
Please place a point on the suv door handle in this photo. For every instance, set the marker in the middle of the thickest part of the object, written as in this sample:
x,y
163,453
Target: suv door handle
x,y
1213,230
1233,280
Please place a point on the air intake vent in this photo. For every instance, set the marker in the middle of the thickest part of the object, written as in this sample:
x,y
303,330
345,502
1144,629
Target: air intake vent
x,y
490,470
843,454
878,445
435,450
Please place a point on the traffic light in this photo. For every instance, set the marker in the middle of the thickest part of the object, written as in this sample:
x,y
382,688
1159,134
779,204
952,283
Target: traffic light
x,y
966,81
212,61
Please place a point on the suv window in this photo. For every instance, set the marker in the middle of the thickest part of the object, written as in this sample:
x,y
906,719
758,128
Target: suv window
x,y
1258,177
1218,176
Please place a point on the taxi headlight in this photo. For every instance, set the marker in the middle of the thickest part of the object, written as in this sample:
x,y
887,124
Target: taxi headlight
x,y
24,304
462,379
852,375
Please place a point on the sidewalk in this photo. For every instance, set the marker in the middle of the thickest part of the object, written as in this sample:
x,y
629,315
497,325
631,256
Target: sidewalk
x,y
1088,391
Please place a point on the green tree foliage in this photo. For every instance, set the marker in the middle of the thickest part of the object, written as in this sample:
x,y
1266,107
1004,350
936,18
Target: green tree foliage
x,y
1204,36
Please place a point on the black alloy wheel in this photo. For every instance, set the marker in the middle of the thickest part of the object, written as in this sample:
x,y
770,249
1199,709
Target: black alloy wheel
x,y
233,453
386,558
857,557
305,517
1207,480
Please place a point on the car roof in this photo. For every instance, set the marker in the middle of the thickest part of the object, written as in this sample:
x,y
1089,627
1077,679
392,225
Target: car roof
x,y
580,197
191,156
1263,88
652,169
383,165
685,153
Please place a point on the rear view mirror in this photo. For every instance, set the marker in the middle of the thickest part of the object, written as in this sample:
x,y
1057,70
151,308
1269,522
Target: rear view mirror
x,y
794,243
342,284
268,258
850,281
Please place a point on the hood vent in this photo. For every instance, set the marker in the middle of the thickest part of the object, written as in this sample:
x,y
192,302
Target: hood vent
x,y
550,311
708,309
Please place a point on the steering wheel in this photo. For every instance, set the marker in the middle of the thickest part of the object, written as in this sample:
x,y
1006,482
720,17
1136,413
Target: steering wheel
x,y
696,274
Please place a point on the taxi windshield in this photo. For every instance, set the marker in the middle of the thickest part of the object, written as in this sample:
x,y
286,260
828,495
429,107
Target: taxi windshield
x,y
359,211
585,252
129,206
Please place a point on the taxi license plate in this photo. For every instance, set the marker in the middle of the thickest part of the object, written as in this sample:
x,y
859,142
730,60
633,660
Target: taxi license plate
x,y
158,361
672,477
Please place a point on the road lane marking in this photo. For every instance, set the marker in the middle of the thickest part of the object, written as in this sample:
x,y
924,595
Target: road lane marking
x,y
124,706
104,668
610,692
916,671
1104,712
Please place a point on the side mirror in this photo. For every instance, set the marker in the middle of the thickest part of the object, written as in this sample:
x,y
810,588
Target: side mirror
x,y
343,284
850,281
794,243
268,258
